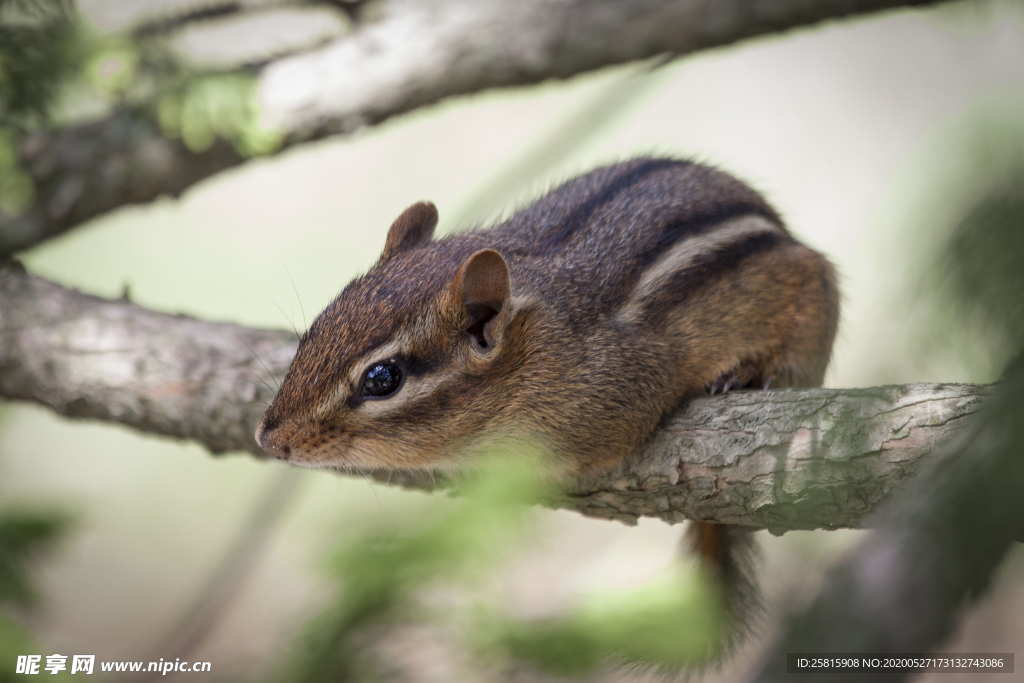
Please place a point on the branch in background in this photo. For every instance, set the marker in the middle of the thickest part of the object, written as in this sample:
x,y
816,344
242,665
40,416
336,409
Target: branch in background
x,y
84,171
253,37
413,54
421,52
111,360
780,459
935,552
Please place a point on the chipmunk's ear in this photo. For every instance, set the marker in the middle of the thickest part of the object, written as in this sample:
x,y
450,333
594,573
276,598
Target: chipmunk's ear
x,y
413,228
481,288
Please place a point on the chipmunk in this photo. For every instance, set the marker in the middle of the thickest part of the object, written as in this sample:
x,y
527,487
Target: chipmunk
x,y
584,319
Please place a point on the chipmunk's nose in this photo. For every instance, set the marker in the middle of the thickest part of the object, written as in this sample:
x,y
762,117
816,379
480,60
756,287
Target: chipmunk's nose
x,y
264,437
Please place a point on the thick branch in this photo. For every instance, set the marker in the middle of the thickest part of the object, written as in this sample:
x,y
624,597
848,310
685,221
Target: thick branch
x,y
424,51
934,553
778,459
84,171
111,360
414,54
785,460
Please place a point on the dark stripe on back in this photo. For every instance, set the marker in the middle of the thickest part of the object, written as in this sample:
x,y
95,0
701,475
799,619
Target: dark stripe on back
x,y
694,226
580,216
702,222
708,269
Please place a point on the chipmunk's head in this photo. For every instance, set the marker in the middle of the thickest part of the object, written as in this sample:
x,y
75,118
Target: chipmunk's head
x,y
406,363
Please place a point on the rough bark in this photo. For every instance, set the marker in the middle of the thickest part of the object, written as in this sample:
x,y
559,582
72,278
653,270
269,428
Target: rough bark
x,y
420,52
778,459
413,53
111,360
783,460
934,552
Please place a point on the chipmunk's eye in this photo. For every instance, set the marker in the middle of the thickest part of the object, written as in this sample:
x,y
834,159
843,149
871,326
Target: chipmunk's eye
x,y
382,379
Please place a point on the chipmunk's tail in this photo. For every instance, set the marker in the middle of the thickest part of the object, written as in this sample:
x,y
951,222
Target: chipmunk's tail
x,y
730,553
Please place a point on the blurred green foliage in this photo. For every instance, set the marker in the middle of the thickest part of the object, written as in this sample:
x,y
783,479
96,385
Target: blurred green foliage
x,y
14,641
16,190
972,286
982,264
675,622
383,567
38,51
24,535
52,67
112,66
215,106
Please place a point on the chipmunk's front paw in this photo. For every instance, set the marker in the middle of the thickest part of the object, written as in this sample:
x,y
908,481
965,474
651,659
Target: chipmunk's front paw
x,y
742,377
722,384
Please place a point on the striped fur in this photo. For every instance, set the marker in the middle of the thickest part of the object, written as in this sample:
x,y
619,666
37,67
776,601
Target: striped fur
x,y
616,296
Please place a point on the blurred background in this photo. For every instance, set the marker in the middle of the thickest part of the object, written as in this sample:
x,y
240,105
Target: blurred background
x,y
873,137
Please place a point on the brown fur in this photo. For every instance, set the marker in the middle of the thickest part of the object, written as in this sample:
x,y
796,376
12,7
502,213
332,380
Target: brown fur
x,y
583,320
562,366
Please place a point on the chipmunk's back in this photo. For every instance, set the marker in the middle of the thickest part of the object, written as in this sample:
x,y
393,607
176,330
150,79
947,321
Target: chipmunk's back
x,y
592,237
583,320
585,317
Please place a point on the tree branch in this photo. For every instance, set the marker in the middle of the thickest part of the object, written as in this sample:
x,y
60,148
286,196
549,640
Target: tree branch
x,y
86,170
777,459
934,553
111,360
414,54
